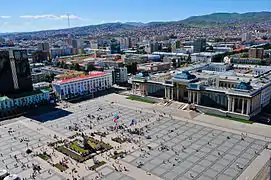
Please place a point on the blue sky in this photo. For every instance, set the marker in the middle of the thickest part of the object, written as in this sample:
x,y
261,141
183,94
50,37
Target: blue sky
x,y
32,15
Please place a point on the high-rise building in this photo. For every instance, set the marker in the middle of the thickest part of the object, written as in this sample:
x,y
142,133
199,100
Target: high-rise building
x,y
115,46
246,36
77,43
44,46
15,74
199,45
175,45
255,53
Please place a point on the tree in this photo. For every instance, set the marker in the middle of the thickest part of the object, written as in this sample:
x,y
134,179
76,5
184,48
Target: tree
x,y
189,59
174,64
77,67
57,63
65,66
91,67
62,64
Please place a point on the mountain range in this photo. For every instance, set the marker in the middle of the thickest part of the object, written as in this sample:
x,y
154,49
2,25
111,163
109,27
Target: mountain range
x,y
209,20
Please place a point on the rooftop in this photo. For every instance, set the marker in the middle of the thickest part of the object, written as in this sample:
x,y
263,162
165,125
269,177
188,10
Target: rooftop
x,y
3,98
91,75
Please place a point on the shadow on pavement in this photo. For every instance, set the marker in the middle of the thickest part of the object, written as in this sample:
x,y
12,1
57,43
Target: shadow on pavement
x,y
47,114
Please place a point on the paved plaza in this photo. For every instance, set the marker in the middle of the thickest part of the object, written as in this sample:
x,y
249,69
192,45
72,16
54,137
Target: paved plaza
x,y
169,149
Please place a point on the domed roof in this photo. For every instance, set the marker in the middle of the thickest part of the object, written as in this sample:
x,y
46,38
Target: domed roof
x,y
142,74
185,75
244,86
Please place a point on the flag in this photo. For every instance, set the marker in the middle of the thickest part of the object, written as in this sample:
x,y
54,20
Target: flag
x,y
115,120
133,122
116,116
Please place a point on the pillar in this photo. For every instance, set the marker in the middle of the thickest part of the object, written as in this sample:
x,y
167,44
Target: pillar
x,y
248,106
172,97
198,97
229,103
166,92
194,97
178,93
243,106
189,96
233,101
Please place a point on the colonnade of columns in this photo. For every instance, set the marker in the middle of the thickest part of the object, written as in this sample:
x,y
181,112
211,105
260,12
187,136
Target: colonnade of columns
x,y
247,106
140,89
169,93
194,97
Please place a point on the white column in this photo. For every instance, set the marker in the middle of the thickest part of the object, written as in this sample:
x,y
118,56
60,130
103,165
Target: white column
x,y
248,106
172,97
243,105
198,97
166,92
233,101
194,97
178,93
229,103
189,96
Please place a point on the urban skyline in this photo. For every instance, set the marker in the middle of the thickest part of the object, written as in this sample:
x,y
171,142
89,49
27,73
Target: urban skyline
x,y
32,16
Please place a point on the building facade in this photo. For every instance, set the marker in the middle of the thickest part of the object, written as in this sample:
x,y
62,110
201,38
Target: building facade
x,y
15,72
154,66
9,105
224,91
199,45
82,85
255,53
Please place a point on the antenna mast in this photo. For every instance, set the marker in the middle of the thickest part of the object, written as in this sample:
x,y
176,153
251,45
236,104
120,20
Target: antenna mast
x,y
68,20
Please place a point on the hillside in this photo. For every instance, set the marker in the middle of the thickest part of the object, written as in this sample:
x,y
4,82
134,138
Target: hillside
x,y
111,29
228,18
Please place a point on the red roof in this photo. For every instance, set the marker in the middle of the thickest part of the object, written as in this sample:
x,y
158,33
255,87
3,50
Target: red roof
x,y
91,75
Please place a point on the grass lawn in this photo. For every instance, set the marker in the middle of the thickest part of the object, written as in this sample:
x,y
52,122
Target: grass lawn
x,y
60,167
77,148
73,155
117,155
140,99
44,157
119,140
231,118
95,166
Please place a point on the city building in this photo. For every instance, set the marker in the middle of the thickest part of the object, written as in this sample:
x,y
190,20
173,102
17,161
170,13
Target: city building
x,y
199,45
77,44
41,85
55,70
40,56
255,53
114,46
119,75
15,73
203,57
29,99
38,77
154,66
241,91
151,47
82,85
175,45
57,52
246,36
43,46
250,61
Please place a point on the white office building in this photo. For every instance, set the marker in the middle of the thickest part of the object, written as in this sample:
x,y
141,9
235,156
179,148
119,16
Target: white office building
x,y
81,85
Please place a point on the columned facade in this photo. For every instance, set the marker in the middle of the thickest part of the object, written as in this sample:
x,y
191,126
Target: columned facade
x,y
244,105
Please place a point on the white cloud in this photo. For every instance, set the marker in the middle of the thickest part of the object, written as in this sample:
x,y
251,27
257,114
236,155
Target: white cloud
x,y
51,16
4,17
